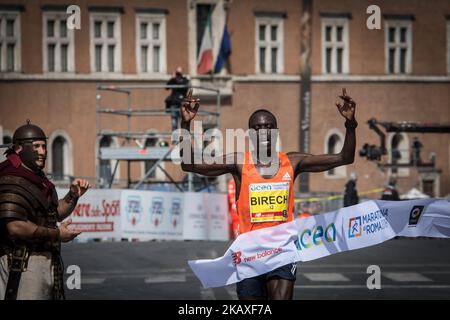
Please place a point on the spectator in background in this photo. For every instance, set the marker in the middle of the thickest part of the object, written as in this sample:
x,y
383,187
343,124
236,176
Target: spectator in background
x,y
416,148
173,101
390,193
232,209
351,194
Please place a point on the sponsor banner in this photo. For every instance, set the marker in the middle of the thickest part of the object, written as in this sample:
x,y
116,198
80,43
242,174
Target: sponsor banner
x,y
150,215
97,214
363,225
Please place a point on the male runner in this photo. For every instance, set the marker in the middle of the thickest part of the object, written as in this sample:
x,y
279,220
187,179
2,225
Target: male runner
x,y
265,190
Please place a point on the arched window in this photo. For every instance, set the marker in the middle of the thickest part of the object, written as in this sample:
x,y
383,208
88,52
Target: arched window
x,y
150,142
395,150
58,154
6,135
106,168
333,143
334,140
398,146
60,161
7,139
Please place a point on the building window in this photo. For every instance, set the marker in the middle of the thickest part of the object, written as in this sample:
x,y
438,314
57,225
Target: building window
x,y
105,42
108,168
448,46
335,45
58,43
398,46
333,146
398,153
151,42
9,41
105,165
7,139
151,142
203,11
60,155
148,164
334,141
269,45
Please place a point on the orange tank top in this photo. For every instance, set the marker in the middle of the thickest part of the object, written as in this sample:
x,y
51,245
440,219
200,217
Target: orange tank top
x,y
264,202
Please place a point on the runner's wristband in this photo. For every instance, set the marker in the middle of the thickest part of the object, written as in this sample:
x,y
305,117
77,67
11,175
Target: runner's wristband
x,y
351,124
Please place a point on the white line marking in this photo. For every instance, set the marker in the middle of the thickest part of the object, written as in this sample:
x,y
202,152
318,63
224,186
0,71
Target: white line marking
x,y
365,287
89,280
207,294
326,277
164,278
305,265
231,290
137,272
213,254
406,277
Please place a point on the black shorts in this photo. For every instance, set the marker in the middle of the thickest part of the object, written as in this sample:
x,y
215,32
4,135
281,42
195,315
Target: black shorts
x,y
257,286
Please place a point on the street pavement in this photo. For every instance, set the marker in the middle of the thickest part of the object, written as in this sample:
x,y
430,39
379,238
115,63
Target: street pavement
x,y
155,270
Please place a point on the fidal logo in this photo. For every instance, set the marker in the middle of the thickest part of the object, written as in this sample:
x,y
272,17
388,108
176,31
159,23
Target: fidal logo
x,y
157,211
354,227
133,209
175,212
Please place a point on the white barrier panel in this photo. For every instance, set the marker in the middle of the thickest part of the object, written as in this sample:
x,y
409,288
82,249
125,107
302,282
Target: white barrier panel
x,y
147,215
206,216
150,215
97,214
218,217
196,219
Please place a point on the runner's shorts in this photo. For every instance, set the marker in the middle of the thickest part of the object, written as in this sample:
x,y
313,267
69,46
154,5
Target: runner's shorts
x,y
257,286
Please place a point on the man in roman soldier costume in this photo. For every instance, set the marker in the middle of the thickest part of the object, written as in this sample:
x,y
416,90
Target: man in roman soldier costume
x,y
30,239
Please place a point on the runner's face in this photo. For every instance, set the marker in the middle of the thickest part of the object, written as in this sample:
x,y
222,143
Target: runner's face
x,y
263,123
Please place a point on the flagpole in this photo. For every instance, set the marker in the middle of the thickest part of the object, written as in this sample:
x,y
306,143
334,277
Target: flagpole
x,y
305,85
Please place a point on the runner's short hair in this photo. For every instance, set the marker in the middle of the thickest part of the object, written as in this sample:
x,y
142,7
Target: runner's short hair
x,y
259,111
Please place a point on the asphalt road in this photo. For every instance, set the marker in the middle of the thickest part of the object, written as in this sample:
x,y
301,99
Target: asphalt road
x,y
410,269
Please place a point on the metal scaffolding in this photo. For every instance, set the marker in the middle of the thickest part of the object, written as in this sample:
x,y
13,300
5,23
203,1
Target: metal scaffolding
x,y
130,150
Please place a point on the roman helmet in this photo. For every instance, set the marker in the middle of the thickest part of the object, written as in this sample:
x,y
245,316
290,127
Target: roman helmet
x,y
24,136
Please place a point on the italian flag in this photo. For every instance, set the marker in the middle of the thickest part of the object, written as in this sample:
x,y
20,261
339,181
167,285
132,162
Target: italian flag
x,y
205,56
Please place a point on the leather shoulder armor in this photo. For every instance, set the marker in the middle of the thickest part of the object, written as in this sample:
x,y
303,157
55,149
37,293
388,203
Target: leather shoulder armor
x,y
20,199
